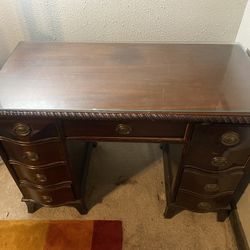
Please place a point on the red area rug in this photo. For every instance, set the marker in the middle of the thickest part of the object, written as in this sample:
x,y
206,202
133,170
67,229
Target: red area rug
x,y
63,235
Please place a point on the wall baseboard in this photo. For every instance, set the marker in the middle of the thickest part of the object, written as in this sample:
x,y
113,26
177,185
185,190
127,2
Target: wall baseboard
x,y
238,230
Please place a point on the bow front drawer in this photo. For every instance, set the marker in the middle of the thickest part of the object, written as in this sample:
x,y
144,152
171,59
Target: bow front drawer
x,y
198,203
35,153
48,197
27,130
43,175
125,129
218,146
210,183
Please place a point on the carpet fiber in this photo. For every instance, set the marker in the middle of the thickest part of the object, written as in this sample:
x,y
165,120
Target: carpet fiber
x,y
63,235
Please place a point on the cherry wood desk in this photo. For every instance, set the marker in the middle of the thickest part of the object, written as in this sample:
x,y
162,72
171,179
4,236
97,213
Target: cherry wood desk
x,y
56,99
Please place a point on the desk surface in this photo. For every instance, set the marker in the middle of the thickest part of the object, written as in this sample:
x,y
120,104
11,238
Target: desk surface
x,y
129,77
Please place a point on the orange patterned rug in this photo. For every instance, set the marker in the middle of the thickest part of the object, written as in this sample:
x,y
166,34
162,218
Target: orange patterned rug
x,y
60,235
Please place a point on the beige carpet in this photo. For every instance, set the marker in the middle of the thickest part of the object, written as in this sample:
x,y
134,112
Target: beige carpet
x,y
127,181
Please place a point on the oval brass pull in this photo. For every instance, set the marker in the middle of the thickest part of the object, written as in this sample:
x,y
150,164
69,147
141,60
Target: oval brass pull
x,y
41,178
204,205
22,129
211,188
123,129
30,156
47,199
219,161
230,138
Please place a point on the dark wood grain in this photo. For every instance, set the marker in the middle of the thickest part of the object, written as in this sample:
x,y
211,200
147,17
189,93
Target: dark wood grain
x,y
192,202
62,93
206,144
56,196
50,152
165,77
39,129
49,175
196,181
104,129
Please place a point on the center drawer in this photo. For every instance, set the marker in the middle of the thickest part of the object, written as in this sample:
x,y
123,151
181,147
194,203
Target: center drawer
x,y
131,128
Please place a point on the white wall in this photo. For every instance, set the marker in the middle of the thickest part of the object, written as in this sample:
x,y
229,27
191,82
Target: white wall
x,y
243,37
127,20
118,20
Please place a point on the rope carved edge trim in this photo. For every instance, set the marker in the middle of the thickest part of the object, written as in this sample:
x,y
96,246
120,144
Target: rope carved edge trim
x,y
154,116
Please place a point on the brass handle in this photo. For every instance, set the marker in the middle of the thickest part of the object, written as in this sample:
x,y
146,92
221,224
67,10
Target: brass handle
x,y
123,129
41,177
219,161
211,188
230,138
22,129
204,205
47,199
30,156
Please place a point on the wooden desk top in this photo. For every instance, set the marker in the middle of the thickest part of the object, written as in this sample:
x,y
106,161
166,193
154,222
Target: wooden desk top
x,y
127,77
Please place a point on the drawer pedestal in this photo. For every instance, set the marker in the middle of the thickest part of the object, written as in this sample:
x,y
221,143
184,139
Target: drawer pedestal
x,y
48,169
208,173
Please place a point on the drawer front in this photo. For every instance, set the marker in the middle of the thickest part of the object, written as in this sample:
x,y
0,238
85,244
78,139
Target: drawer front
x,y
125,129
27,130
200,204
207,183
43,175
218,146
48,197
35,154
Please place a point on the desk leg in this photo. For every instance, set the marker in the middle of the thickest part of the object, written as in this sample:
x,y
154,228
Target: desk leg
x,y
222,215
80,207
171,211
32,206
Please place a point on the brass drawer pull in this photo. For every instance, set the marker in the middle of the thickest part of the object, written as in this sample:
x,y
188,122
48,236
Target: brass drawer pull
x,y
41,178
30,156
47,199
204,205
230,138
211,188
219,161
123,129
22,129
